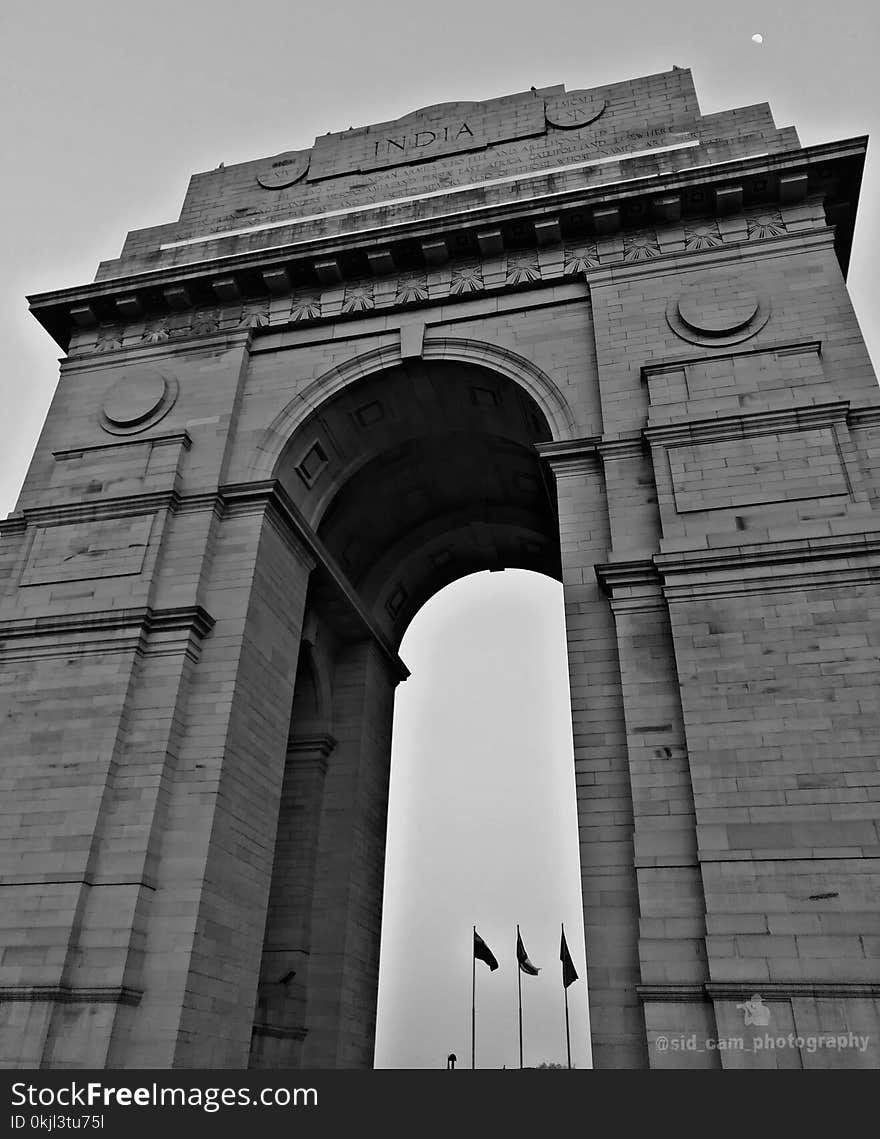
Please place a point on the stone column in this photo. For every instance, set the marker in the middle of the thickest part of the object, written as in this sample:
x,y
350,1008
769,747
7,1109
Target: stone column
x,y
201,938
280,1022
343,974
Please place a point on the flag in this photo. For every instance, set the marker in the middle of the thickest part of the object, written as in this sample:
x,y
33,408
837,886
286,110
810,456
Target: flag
x,y
482,952
569,973
522,957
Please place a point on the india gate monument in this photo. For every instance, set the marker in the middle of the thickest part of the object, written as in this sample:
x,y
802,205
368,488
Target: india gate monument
x,y
592,333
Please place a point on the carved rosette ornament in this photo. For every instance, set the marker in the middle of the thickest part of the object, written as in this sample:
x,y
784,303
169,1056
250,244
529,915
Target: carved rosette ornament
x,y
765,223
305,307
701,235
254,316
358,298
522,269
412,290
579,259
640,245
467,277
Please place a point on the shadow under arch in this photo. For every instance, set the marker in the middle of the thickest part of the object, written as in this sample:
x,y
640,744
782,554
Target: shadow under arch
x,y
546,394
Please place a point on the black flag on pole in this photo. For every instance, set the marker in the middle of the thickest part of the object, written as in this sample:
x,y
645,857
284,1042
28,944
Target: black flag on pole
x,y
523,958
569,973
482,952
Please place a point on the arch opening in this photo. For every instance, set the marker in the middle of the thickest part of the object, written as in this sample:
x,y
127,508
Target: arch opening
x,y
482,830
407,480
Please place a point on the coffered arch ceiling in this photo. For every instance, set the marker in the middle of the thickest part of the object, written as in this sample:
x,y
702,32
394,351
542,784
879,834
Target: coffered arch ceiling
x,y
420,474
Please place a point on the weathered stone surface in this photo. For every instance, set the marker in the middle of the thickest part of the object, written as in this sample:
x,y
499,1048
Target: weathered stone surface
x,y
551,331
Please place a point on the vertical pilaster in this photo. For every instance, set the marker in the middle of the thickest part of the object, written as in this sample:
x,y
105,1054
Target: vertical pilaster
x,y
602,778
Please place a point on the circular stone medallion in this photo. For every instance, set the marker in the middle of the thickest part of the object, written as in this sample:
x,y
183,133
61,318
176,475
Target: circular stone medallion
x,y
137,401
717,315
717,312
573,110
285,171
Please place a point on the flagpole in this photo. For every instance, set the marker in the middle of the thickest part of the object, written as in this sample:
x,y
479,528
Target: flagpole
x,y
473,1001
567,1036
519,995
567,1033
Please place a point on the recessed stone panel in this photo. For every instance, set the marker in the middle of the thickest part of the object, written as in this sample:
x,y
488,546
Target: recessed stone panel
x,y
758,469
83,551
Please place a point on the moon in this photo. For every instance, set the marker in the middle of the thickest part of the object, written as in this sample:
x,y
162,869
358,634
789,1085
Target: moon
x,y
757,38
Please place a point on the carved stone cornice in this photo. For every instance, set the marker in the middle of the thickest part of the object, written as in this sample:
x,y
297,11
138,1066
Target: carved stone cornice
x,y
804,563
800,563
864,416
628,447
183,617
631,586
571,457
141,629
314,749
175,288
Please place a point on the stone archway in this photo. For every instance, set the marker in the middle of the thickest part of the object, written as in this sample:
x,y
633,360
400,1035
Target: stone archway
x,y
624,355
410,477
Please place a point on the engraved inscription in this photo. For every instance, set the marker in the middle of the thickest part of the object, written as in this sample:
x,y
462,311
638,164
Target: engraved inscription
x,y
285,171
451,128
576,109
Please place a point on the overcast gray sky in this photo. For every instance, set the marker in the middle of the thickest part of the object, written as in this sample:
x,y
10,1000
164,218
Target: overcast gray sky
x,y
107,107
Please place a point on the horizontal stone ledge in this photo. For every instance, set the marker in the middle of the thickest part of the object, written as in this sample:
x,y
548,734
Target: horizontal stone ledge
x,y
66,994
743,990
833,547
672,992
187,618
780,990
310,749
815,562
98,511
746,424
182,437
297,1032
11,881
784,347
663,862
867,416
